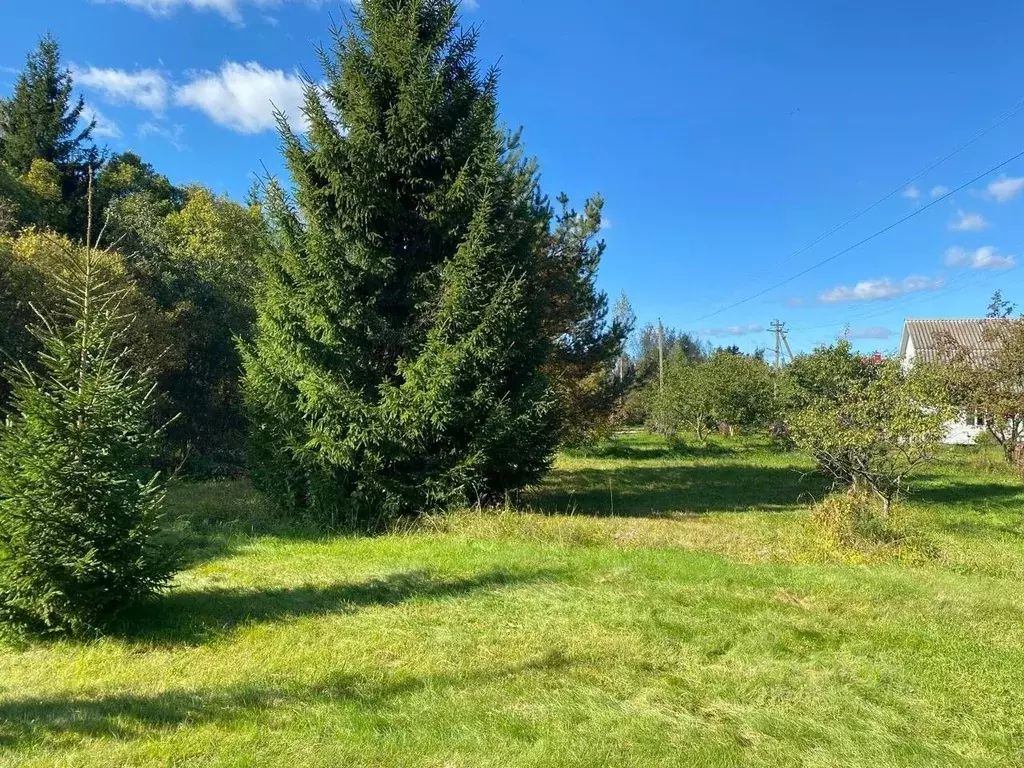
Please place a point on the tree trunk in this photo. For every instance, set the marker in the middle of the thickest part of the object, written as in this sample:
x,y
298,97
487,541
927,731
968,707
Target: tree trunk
x,y
886,507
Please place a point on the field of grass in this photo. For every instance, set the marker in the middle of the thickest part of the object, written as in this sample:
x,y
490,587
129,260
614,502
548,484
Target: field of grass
x,y
658,607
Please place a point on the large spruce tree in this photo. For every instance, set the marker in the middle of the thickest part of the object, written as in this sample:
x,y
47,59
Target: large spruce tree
x,y
397,364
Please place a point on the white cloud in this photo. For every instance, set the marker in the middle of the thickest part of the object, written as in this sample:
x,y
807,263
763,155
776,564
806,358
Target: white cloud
x,y
985,257
606,223
242,97
874,332
104,127
733,330
229,9
875,290
146,88
1004,189
171,134
911,193
939,190
968,222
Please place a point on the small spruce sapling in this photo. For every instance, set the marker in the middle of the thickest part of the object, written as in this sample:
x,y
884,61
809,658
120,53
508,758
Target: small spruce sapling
x,y
79,504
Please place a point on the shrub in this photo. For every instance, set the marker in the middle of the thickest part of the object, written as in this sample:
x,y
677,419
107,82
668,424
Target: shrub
x,y
853,525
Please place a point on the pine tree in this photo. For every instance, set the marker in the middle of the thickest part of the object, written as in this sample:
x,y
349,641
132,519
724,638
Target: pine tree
x,y
585,345
78,504
399,342
42,122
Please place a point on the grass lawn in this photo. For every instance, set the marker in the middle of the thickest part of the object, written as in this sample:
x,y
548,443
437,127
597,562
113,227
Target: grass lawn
x,y
659,607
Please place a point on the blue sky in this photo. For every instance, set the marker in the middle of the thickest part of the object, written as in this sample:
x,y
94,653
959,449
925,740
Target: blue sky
x,y
725,136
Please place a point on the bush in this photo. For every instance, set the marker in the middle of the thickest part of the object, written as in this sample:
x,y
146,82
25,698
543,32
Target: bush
x,y
78,505
853,526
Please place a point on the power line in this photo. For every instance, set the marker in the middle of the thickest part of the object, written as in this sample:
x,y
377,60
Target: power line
x,y
1004,117
864,313
965,280
867,239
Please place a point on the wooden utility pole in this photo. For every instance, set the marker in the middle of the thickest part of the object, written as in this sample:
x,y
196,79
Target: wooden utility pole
x,y
661,356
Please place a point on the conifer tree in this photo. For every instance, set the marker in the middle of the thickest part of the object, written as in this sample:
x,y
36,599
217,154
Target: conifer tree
x,y
585,344
78,503
399,341
43,122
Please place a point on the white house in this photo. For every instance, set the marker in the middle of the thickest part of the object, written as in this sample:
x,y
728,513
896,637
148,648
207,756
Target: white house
x,y
921,341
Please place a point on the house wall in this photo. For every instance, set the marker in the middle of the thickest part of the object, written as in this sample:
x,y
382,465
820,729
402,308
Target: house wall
x,y
909,354
958,432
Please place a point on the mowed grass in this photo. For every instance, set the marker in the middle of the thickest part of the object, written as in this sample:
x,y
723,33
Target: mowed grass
x,y
657,607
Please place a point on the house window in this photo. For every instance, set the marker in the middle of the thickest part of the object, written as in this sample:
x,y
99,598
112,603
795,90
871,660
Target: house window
x,y
976,418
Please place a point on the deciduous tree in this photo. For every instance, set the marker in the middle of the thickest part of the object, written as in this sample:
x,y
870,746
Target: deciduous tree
x,y
870,424
990,382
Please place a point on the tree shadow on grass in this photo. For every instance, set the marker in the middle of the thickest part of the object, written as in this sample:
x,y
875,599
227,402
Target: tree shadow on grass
x,y
656,491
993,494
650,451
187,617
983,528
209,520
126,716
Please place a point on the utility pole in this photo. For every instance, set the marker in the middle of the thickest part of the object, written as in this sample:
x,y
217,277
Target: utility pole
x,y
789,351
779,329
661,356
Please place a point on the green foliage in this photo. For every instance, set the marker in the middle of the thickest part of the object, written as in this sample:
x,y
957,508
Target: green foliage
x,y
869,424
186,261
742,395
585,346
78,504
40,197
193,257
396,366
725,388
674,342
687,400
991,383
41,260
41,121
1000,308
212,245
828,373
639,371
125,184
16,284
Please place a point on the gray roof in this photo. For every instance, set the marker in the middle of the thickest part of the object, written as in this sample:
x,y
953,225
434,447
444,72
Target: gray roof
x,y
975,334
